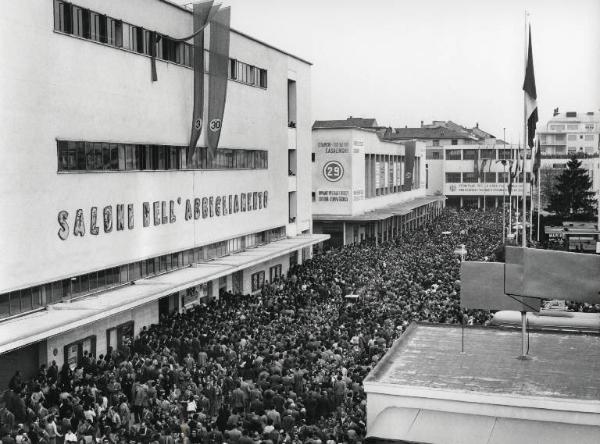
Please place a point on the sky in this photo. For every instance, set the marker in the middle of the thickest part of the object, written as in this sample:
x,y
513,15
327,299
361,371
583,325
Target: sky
x,y
462,60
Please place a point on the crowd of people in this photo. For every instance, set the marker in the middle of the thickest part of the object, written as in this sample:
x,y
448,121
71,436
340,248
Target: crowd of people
x,y
282,366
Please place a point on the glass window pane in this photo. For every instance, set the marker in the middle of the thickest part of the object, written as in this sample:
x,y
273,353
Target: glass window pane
x,y
105,156
4,305
26,300
93,280
128,157
15,302
101,279
114,156
124,275
57,291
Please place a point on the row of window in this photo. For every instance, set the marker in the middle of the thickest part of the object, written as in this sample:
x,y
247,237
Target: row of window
x,y
22,301
104,156
572,127
81,22
491,154
488,177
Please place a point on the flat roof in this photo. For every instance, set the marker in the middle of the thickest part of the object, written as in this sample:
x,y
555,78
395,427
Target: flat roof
x,y
428,356
65,316
398,209
183,8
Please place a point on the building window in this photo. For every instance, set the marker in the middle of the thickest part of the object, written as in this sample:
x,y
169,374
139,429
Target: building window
x,y
274,273
262,77
487,154
469,177
503,177
469,154
91,25
504,154
436,142
453,154
452,177
313,196
489,177
258,280
454,142
98,156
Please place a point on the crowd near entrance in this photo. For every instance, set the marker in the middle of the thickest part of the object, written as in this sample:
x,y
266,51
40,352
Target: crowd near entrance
x,y
284,365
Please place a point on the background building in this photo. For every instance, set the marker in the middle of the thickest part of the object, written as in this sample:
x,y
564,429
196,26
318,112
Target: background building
x,y
362,186
567,134
105,226
467,165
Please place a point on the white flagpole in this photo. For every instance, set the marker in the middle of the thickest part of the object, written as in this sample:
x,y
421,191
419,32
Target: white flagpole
x,y
510,194
539,174
524,194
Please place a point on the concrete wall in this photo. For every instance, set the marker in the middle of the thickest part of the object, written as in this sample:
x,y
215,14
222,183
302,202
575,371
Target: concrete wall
x,y
141,316
61,87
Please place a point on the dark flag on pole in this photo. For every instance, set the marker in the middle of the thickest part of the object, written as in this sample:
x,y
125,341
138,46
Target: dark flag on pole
x,y
537,161
218,72
513,174
531,112
154,39
202,12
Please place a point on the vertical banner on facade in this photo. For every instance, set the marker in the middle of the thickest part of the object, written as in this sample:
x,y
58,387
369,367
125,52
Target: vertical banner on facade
x,y
218,70
202,12
409,166
377,176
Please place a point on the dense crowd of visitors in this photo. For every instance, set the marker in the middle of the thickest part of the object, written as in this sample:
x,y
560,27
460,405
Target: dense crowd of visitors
x,y
283,366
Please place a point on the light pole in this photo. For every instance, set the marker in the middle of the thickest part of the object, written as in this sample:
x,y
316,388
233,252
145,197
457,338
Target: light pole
x,y
461,252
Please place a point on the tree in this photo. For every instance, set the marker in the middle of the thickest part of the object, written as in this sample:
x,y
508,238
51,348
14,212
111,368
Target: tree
x,y
572,197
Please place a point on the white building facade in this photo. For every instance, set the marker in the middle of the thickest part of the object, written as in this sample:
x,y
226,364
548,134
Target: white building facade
x,y
475,176
105,224
362,188
567,134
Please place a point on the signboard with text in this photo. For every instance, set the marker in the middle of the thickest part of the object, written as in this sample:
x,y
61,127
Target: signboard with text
x,y
496,189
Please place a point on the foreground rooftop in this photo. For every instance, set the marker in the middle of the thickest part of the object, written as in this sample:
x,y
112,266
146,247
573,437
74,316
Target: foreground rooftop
x,y
562,365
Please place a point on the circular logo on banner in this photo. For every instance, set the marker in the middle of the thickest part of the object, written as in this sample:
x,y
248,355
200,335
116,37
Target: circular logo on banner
x,y
452,188
333,171
215,124
198,123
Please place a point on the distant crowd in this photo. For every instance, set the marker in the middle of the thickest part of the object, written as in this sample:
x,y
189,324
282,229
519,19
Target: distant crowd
x,y
283,366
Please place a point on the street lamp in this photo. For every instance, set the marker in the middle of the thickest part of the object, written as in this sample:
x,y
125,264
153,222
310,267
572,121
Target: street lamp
x,y
461,252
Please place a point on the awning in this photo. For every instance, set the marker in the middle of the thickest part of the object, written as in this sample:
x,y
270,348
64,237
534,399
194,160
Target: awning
x,y
398,424
62,317
399,209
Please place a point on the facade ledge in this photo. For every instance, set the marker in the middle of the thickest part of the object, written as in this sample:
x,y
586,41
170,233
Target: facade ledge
x,y
62,317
